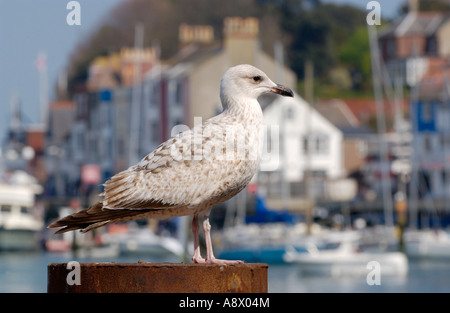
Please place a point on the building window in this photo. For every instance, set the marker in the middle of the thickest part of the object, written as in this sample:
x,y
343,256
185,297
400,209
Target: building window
x,y
281,143
268,141
316,143
289,113
154,131
427,144
443,117
322,144
79,141
316,174
155,94
121,147
178,92
5,208
391,47
175,92
432,46
427,112
305,144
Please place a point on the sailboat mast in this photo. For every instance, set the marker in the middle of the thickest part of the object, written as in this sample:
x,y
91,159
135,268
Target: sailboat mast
x,y
381,127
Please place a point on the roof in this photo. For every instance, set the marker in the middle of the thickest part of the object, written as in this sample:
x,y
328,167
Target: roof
x,y
36,139
271,103
415,23
194,53
340,115
62,105
433,82
337,112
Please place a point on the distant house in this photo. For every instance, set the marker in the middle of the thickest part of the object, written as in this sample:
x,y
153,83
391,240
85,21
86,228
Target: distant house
x,y
62,116
356,137
430,119
119,69
299,141
414,43
417,47
185,90
198,68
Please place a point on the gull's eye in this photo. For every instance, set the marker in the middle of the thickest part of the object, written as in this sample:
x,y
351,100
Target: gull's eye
x,y
257,79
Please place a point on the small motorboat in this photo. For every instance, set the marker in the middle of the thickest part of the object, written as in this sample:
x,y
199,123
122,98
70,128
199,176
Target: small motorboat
x,y
342,256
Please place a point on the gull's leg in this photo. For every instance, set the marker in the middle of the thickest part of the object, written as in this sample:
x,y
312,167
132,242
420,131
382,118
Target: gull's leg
x,y
197,257
209,249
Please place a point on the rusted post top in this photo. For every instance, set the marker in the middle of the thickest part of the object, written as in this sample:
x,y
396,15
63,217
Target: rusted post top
x,y
76,277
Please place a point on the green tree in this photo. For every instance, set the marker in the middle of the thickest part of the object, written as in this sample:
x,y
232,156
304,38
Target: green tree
x,y
355,55
316,31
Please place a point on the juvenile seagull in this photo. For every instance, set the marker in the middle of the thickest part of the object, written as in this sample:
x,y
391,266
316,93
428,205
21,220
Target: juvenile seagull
x,y
193,171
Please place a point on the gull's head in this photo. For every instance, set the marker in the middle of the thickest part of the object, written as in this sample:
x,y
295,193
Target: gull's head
x,y
246,81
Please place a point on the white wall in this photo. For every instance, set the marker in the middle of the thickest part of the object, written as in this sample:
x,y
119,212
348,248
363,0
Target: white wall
x,y
299,117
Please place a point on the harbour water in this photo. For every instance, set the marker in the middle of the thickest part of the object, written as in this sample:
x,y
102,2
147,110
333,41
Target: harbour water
x,y
27,272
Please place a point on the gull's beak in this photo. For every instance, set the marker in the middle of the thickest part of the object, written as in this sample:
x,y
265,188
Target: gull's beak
x,y
282,90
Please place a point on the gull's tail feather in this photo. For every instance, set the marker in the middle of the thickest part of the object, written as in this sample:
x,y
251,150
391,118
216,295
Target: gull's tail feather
x,y
93,217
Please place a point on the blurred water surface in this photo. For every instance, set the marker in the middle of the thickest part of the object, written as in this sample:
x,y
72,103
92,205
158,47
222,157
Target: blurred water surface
x,y
27,272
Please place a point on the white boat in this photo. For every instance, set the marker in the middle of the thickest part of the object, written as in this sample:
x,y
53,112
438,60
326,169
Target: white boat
x,y
431,244
342,257
262,243
136,240
81,245
19,224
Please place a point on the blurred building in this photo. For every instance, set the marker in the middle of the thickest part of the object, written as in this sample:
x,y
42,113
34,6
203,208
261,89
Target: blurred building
x,y
61,118
197,69
23,147
357,142
430,117
118,69
416,48
300,143
59,157
415,43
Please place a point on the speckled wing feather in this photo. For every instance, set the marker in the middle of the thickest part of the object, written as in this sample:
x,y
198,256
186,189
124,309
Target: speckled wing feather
x,y
95,216
160,179
181,172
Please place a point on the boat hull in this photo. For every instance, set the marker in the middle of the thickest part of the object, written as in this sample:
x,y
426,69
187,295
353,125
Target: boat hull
x,y
18,239
358,264
257,254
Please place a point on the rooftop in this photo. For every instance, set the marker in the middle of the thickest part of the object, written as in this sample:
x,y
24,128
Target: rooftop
x,y
415,23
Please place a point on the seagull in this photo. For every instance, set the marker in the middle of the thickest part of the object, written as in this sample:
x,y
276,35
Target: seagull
x,y
193,171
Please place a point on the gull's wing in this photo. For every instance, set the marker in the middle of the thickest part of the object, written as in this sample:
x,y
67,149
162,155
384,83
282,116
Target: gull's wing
x,y
180,172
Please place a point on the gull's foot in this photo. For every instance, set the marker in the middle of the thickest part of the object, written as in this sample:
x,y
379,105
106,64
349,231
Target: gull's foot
x,y
144,262
198,259
226,262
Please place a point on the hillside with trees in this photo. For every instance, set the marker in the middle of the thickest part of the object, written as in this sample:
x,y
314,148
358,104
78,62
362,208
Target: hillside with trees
x,y
333,37
309,29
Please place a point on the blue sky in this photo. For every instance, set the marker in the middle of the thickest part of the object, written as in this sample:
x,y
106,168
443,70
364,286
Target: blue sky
x,y
28,27
389,8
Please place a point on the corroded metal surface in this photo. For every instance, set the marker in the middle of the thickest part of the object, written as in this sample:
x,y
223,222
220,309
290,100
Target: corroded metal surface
x,y
156,277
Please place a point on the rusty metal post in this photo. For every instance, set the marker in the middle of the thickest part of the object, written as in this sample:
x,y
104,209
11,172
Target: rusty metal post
x,y
156,277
